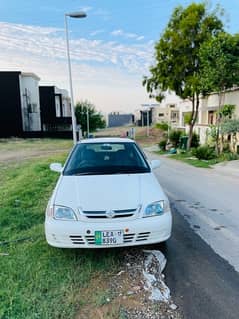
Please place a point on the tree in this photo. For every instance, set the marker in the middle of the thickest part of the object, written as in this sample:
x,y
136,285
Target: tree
x,y
227,111
219,58
177,65
231,127
84,109
224,114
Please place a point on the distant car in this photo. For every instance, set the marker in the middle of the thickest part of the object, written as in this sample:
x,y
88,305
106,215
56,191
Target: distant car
x,y
107,196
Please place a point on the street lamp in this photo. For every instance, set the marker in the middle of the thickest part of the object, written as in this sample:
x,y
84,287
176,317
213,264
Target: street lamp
x,y
88,122
76,15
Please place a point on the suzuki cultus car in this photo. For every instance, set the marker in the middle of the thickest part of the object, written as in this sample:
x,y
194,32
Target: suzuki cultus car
x,y
107,196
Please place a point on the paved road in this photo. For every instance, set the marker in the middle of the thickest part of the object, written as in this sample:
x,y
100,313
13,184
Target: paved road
x,y
209,201
203,253
202,284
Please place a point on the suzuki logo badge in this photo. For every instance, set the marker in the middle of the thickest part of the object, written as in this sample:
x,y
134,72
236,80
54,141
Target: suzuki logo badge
x,y
110,214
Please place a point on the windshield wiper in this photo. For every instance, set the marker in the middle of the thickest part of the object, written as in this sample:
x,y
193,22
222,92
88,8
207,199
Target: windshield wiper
x,y
88,173
110,171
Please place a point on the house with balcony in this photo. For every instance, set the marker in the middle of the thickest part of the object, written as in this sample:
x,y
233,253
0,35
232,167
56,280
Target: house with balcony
x,y
209,106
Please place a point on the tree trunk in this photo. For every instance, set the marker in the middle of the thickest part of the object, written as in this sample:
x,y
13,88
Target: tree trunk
x,y
193,120
221,143
190,136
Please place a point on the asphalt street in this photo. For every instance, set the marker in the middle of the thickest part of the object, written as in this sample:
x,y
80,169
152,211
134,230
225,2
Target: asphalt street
x,y
202,284
208,200
203,253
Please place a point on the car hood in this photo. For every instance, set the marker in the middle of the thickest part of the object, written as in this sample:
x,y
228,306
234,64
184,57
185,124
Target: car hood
x,y
100,192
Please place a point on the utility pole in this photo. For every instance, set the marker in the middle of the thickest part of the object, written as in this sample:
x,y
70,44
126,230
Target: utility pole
x,y
88,123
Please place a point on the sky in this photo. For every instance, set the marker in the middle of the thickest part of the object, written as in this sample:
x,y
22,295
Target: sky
x,y
111,49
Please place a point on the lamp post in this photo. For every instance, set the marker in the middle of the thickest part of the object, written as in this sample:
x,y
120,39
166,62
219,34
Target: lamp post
x,y
76,15
88,123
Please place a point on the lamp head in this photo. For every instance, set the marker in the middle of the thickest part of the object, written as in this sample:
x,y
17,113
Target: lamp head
x,y
76,15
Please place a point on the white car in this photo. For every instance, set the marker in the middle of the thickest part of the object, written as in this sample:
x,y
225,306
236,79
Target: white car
x,y
107,196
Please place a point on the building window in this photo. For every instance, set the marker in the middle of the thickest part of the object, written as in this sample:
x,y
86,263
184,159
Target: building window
x,y
58,106
211,117
174,116
161,114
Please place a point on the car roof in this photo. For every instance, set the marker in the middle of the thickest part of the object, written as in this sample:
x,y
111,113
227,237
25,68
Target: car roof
x,y
107,140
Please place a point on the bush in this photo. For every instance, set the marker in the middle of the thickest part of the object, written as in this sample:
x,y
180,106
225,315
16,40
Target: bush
x,y
162,145
174,137
204,153
162,126
195,140
228,156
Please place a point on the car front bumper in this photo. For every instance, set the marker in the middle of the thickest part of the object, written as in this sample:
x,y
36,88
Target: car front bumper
x,y
78,234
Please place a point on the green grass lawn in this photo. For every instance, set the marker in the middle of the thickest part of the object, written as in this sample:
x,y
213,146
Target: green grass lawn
x,y
36,280
188,158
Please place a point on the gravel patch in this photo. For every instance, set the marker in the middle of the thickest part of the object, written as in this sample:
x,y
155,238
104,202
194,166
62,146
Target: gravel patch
x,y
139,296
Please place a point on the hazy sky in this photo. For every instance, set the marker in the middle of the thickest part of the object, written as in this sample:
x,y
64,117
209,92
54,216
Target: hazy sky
x,y
111,49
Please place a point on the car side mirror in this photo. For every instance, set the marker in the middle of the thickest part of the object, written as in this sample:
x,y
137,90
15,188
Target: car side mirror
x,y
56,167
155,164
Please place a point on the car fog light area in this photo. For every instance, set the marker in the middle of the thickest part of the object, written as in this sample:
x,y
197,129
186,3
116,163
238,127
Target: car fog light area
x,y
156,208
64,213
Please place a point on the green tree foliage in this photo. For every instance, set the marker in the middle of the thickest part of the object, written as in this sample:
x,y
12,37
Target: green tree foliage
x,y
177,66
230,126
219,58
187,117
96,119
227,111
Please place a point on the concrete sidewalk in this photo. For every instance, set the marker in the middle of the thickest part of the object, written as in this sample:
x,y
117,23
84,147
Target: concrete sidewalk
x,y
227,168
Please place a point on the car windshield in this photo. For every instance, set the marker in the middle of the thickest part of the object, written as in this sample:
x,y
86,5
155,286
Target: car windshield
x,y
106,158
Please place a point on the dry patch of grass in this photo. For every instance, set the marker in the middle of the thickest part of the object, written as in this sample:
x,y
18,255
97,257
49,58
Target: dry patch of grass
x,y
16,150
155,135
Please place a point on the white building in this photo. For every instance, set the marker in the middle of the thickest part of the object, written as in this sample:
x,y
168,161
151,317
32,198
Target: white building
x,y
208,112
172,111
29,91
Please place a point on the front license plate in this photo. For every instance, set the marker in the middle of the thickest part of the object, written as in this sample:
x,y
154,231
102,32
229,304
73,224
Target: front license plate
x,y
109,237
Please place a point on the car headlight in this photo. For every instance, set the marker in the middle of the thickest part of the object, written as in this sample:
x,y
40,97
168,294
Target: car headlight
x,y
157,208
64,213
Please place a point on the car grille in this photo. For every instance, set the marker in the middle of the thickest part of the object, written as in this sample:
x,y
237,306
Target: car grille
x,y
77,240
96,214
128,238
